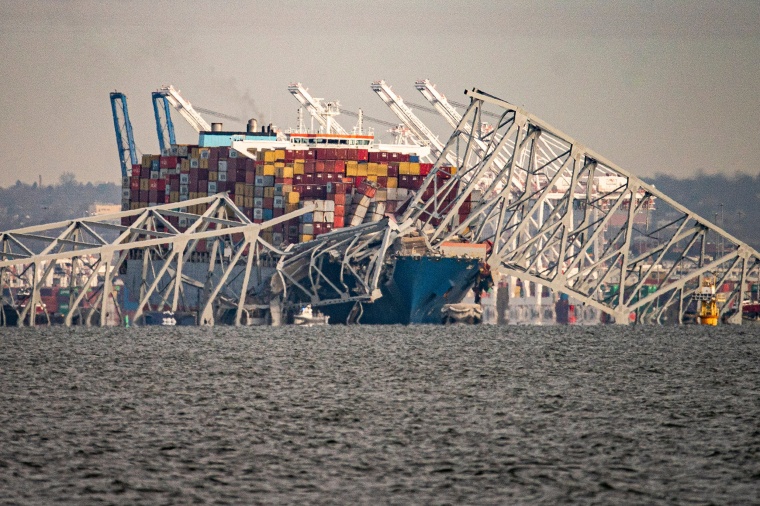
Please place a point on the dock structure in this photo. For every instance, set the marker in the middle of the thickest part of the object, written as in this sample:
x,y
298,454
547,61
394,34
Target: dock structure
x,y
552,212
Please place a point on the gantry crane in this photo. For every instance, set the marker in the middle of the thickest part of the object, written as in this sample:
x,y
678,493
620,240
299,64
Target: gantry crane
x,y
164,124
184,107
125,141
324,114
411,121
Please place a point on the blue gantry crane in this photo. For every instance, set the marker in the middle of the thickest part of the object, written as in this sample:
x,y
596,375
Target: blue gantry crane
x,y
164,124
125,141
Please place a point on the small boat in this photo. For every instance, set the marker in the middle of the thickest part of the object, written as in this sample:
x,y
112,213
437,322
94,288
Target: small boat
x,y
462,313
308,317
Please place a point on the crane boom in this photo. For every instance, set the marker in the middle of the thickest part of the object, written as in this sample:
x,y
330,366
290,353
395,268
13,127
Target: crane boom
x,y
325,116
185,108
164,123
412,122
125,141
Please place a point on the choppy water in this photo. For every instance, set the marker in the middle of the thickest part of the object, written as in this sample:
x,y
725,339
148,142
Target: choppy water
x,y
403,415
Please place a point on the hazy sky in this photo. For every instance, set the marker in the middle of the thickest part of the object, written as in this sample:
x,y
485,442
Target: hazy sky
x,y
656,87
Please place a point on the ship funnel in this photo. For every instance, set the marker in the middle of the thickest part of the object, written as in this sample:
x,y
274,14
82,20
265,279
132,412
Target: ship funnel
x,y
216,127
253,125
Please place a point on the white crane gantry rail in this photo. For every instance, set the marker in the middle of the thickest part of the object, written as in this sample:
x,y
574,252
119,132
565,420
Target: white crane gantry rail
x,y
185,108
324,114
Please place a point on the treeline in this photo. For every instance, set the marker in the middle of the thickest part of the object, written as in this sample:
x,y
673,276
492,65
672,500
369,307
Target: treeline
x,y
23,205
732,202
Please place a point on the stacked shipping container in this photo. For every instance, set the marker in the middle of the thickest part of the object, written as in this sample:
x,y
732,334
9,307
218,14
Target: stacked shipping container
x,y
349,186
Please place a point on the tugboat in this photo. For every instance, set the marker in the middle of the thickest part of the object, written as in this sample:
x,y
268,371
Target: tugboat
x,y
308,318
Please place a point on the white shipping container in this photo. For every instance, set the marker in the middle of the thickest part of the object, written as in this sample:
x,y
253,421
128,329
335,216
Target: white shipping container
x,y
319,216
329,205
307,228
222,165
329,216
211,187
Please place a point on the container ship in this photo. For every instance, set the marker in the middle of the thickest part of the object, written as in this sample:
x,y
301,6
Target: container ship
x,y
350,179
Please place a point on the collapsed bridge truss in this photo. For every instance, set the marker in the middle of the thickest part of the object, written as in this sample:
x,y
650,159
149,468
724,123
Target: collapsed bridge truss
x,y
221,257
560,215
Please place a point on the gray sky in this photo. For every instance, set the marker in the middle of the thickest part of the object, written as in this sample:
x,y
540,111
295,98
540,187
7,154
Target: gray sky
x,y
656,87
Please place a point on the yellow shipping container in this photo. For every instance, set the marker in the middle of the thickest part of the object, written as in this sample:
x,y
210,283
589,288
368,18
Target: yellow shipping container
x,y
239,200
292,197
134,205
289,208
306,237
239,188
194,152
414,168
248,192
279,164
173,197
269,192
362,169
269,170
403,168
372,178
212,175
184,166
147,161
392,182
259,170
298,167
268,156
279,154
300,160
248,201
203,164
144,184
382,169
352,171
372,169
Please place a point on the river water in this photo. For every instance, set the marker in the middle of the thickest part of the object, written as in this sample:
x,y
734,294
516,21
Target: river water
x,y
380,415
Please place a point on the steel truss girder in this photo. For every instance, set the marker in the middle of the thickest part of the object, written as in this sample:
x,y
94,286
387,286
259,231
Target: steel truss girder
x,y
561,215
35,251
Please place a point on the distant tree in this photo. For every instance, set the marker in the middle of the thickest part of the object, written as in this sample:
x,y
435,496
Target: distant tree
x,y
67,179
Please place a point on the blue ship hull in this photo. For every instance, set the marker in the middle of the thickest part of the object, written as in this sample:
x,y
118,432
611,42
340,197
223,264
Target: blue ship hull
x,y
416,292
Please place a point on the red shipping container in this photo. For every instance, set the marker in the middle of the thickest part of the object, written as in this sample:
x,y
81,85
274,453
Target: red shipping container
x,y
425,168
382,181
393,170
250,177
340,167
320,178
327,227
268,202
134,194
358,180
153,197
203,186
290,156
167,162
161,185
340,209
134,183
167,198
153,184
310,166
328,164
319,166
362,155
341,154
137,171
340,199
298,179
223,186
145,172
373,157
319,228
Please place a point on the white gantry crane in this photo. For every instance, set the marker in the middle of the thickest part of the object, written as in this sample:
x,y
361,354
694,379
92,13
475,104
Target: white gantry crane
x,y
324,114
411,121
185,108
